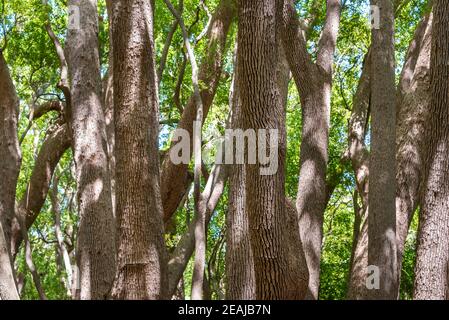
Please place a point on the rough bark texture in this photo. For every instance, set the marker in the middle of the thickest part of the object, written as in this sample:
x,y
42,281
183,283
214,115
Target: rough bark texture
x,y
142,257
10,159
382,183
314,83
431,272
240,277
96,241
265,195
412,112
175,177
412,105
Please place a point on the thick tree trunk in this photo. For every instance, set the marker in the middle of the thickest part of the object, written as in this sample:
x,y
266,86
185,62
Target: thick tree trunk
x,y
431,272
265,195
10,159
96,242
382,183
142,258
175,177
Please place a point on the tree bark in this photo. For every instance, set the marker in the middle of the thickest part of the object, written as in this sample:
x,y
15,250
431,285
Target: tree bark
x,y
412,105
265,195
240,277
142,257
412,114
314,84
382,247
431,271
10,160
96,241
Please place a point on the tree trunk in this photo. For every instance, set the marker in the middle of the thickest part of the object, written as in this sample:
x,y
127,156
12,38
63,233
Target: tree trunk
x,y
314,84
142,257
382,183
412,114
431,272
412,104
96,242
240,277
10,159
265,195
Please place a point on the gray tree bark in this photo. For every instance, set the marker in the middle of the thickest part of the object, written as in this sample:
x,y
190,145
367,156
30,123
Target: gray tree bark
x,y
96,241
142,257
382,246
10,160
431,271
314,84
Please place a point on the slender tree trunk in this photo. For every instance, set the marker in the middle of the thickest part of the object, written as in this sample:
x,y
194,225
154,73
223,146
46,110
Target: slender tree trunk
x,y
431,272
10,159
314,84
96,242
142,258
412,105
382,183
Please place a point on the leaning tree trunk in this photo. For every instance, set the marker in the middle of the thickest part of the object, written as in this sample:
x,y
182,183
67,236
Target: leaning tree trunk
x,y
96,245
10,159
314,84
412,112
431,272
142,257
382,183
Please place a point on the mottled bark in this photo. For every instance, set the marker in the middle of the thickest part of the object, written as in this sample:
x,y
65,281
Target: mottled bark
x,y
9,149
142,258
314,83
174,177
8,289
431,271
10,160
61,247
96,241
240,277
412,112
